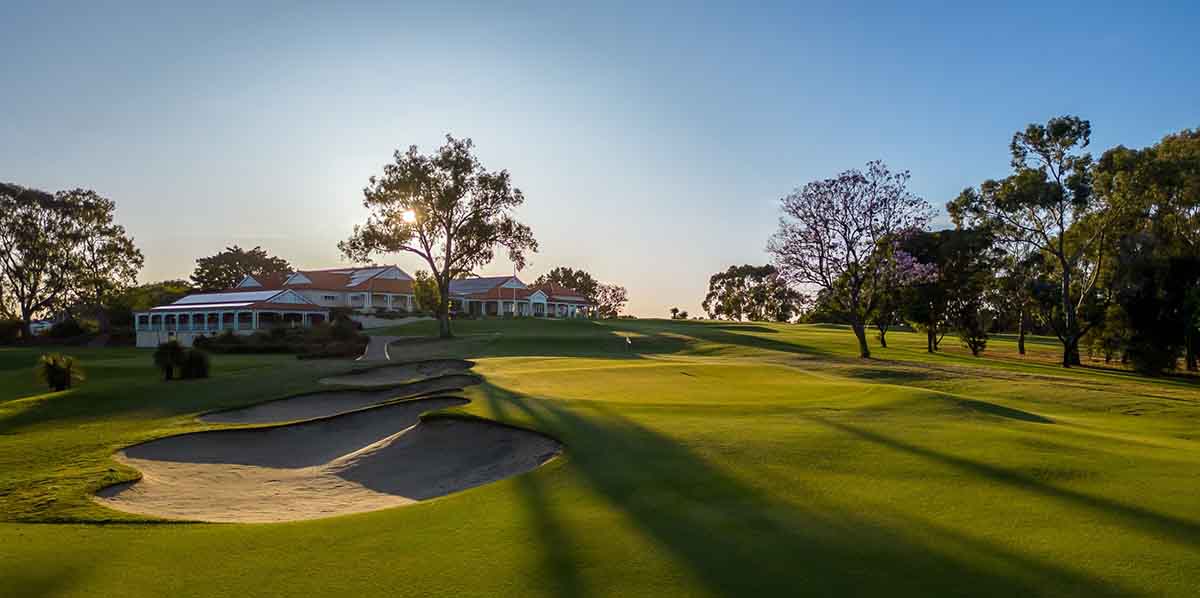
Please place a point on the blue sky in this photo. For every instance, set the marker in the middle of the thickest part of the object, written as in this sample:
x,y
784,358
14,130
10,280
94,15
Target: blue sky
x,y
652,141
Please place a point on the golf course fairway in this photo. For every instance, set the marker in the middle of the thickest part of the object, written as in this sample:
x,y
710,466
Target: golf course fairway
x,y
698,459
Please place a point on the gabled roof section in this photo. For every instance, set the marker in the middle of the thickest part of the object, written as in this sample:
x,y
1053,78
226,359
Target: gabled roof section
x,y
557,293
261,281
379,279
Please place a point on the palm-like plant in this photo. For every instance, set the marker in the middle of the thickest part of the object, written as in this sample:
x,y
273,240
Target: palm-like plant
x,y
58,371
167,357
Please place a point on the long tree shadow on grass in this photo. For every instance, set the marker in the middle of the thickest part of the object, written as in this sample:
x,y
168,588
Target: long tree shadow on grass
x,y
1180,530
738,540
719,334
557,558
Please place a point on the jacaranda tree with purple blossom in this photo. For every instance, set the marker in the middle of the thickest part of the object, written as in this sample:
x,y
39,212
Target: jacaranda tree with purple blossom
x,y
906,271
836,235
957,267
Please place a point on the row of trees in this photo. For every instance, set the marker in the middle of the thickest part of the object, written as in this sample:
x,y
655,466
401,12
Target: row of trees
x,y
1104,254
61,251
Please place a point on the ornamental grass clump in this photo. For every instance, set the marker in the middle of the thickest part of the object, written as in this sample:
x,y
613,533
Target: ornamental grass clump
x,y
58,371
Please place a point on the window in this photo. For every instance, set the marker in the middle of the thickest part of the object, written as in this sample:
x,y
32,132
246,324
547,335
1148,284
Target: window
x,y
330,297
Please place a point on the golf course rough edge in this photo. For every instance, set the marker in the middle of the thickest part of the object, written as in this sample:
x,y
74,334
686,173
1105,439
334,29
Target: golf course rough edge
x,y
400,373
363,459
327,403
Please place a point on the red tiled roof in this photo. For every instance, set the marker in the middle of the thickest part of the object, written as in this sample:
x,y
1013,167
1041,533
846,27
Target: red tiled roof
x,y
268,281
501,293
334,279
558,293
326,280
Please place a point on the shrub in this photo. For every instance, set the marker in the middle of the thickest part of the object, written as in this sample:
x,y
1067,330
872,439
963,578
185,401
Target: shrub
x,y
58,371
167,357
10,329
971,325
195,364
228,338
345,329
336,349
67,329
1149,356
201,341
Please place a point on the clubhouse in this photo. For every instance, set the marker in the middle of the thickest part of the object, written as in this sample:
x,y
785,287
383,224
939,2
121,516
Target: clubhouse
x,y
307,297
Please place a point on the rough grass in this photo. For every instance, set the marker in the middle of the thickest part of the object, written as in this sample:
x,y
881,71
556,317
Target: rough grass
x,y
706,459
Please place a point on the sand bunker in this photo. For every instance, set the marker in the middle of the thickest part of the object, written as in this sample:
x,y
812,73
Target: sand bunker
x,y
360,461
325,404
398,374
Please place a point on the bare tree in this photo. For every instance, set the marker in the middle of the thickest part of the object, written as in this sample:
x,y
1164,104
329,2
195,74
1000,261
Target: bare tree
x,y
835,234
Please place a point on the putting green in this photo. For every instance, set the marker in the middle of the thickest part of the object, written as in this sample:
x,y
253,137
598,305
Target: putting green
x,y
700,459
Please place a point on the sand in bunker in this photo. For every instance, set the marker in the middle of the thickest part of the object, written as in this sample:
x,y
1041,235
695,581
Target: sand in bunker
x,y
398,374
361,461
325,404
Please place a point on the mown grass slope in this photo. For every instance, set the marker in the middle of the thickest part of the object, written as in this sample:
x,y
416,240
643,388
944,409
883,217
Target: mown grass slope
x,y
702,459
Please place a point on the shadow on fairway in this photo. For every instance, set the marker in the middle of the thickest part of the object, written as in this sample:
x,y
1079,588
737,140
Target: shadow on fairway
x,y
1180,530
605,339
738,540
736,335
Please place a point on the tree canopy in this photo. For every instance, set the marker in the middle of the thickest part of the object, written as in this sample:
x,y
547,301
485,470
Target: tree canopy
x,y
227,268
610,300
835,234
579,280
962,263
60,249
446,208
1047,204
755,293
425,292
1154,198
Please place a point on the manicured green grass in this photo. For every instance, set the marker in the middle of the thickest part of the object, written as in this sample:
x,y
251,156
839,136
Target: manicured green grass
x,y
704,459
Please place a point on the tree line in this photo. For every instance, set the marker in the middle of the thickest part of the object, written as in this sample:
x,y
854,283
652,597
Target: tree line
x,y
61,250
1104,254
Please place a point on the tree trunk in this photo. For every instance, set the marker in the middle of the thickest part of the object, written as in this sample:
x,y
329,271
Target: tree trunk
x,y
1021,330
1189,349
1070,351
1070,326
26,325
443,311
860,332
102,320
882,336
930,339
